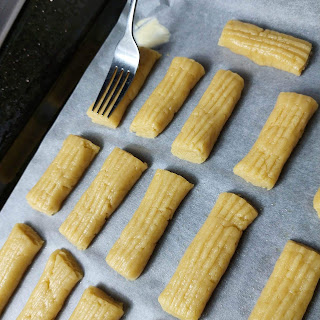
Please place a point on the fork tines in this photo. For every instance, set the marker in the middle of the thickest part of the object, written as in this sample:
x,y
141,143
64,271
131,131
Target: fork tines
x,y
113,90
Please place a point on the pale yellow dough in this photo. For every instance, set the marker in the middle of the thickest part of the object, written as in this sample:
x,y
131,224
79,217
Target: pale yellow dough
x,y
200,132
16,255
95,304
207,258
266,47
148,57
280,134
130,254
291,285
62,175
316,202
60,275
168,97
117,176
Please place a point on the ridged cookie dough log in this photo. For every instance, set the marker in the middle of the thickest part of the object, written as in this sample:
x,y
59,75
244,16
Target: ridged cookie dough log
x,y
280,134
266,47
316,202
117,176
16,255
60,275
291,285
148,57
62,175
207,258
95,304
131,252
200,132
167,98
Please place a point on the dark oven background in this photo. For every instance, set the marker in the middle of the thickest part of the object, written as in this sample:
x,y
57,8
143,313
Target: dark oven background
x,y
42,59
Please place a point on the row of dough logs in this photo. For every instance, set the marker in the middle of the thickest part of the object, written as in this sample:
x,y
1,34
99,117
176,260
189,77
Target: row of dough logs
x,y
210,252
286,294
261,166
194,143
60,275
264,47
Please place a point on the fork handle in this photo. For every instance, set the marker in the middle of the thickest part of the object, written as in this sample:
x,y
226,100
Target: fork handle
x,y
130,15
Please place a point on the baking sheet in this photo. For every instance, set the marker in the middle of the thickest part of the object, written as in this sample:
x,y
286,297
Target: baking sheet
x,y
284,213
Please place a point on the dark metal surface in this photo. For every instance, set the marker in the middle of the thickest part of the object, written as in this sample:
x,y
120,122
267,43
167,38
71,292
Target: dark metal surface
x,y
43,58
9,10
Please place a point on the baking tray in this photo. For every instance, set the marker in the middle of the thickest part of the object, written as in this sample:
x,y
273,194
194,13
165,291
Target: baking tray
x,y
285,212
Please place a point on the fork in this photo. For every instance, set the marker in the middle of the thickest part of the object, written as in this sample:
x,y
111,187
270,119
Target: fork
x,y
122,71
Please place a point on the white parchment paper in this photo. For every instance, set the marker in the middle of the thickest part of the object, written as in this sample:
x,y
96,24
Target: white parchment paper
x,y
285,212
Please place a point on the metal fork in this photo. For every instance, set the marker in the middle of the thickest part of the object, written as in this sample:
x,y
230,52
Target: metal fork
x,y
123,68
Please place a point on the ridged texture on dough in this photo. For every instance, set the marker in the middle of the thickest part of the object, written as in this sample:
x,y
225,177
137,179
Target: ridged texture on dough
x,y
207,258
200,132
95,304
168,97
62,175
280,134
148,57
316,202
266,47
291,285
117,176
60,275
16,255
130,254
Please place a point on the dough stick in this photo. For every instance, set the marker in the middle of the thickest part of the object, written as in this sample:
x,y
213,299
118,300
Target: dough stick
x,y
148,57
207,258
60,275
199,134
280,134
117,176
316,202
291,285
167,98
96,304
16,255
266,47
131,252
62,175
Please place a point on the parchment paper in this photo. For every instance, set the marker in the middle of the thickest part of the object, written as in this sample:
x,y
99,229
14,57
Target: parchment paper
x,y
285,212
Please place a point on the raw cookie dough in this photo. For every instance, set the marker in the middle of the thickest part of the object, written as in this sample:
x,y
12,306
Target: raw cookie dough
x,y
95,304
266,47
207,258
62,175
280,134
117,176
200,132
16,255
130,254
316,202
148,57
168,97
60,275
291,285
